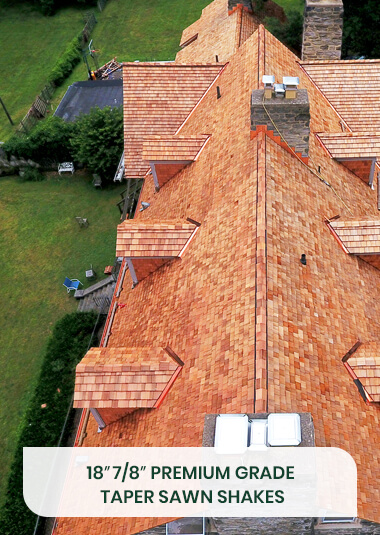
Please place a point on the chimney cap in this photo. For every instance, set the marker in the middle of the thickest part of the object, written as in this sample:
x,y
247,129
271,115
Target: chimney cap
x,y
290,80
279,89
268,79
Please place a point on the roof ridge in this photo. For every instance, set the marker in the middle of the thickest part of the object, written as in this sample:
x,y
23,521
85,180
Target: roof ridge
x,y
170,64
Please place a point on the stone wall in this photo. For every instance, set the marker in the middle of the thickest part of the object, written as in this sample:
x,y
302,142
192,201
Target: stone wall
x,y
263,526
322,30
360,527
291,116
13,165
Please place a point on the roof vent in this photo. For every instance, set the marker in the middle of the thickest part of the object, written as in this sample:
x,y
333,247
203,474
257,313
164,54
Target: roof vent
x,y
268,82
231,433
291,84
258,435
279,90
284,429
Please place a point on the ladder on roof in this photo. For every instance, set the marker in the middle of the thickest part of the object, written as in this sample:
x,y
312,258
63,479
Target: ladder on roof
x,y
119,175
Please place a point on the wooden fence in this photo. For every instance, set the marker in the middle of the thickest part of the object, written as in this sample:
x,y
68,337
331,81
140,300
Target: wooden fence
x,y
38,110
39,107
101,4
90,21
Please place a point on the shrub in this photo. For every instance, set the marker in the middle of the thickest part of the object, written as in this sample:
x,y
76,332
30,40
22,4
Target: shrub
x,y
31,174
97,140
66,63
289,32
48,7
48,141
43,424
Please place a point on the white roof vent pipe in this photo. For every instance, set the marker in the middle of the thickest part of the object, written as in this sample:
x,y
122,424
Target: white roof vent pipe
x,y
268,81
279,90
284,429
258,435
231,434
291,84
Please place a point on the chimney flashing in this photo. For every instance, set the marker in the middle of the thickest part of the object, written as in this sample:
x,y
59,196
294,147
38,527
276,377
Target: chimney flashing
x,y
291,117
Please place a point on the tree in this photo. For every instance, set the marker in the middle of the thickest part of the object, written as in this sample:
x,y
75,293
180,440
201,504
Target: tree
x,y
97,140
48,141
289,32
361,28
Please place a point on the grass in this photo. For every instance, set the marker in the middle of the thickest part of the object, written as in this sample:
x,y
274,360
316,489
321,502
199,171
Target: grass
x,y
288,5
144,31
40,244
31,43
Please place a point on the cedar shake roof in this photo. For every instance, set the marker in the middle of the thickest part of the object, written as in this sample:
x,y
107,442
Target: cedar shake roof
x,y
167,155
148,245
358,237
168,148
258,330
157,99
152,238
352,87
365,364
343,145
122,377
218,34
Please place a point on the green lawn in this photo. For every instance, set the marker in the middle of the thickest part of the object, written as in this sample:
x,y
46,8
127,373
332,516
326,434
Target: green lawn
x,y
40,244
31,43
288,5
144,31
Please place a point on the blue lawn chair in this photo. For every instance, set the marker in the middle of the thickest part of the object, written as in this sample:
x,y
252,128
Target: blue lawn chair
x,y
71,284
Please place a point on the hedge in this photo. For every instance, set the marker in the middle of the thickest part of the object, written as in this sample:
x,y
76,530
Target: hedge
x,y
66,63
46,413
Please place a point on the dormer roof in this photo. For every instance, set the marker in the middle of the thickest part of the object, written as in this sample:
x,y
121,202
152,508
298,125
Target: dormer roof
x,y
167,155
123,377
157,99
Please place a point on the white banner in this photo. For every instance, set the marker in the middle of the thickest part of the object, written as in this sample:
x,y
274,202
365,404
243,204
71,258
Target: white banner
x,y
178,482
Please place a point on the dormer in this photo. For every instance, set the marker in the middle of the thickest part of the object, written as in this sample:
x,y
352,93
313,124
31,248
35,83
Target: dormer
x,y
116,381
167,155
358,237
148,245
357,152
363,364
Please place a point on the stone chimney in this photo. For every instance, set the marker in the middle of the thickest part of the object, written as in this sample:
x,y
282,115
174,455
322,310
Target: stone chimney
x,y
322,30
291,116
234,4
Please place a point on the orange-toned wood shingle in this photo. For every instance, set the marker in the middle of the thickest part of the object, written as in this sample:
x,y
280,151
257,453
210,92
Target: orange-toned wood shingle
x,y
122,377
157,99
252,322
365,363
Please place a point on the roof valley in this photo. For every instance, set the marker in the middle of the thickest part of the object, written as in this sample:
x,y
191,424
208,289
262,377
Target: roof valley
x,y
261,319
